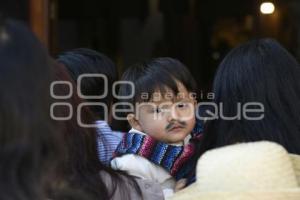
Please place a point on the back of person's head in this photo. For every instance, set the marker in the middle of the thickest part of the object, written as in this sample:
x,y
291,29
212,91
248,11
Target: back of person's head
x,y
260,71
29,141
88,62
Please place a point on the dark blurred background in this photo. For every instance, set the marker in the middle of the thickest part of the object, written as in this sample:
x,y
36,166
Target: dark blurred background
x,y
197,32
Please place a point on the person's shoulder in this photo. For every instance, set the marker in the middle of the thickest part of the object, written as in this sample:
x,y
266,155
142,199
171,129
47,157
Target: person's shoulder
x,y
150,190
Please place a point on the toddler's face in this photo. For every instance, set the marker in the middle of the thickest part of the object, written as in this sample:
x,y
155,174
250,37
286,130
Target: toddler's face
x,y
166,119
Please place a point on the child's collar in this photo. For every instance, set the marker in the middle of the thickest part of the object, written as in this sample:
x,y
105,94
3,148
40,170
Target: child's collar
x,y
186,139
179,160
133,130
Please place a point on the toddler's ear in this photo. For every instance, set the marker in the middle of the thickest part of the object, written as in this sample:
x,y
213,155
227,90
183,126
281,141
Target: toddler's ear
x,y
134,123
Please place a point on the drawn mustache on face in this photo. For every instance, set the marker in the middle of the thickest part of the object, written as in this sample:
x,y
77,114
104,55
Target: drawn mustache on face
x,y
174,123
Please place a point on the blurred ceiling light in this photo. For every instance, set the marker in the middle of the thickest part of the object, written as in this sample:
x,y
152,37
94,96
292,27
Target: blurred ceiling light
x,y
267,8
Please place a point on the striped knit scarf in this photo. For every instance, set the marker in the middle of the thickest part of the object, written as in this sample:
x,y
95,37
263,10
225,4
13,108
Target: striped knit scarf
x,y
177,160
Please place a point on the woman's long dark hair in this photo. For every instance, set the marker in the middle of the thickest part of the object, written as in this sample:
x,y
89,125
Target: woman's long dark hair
x,y
81,168
29,141
258,71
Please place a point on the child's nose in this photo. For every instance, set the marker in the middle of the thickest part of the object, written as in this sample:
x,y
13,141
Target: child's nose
x,y
173,115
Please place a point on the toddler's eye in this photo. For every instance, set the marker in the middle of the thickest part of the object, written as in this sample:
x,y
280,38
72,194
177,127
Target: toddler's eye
x,y
158,110
182,105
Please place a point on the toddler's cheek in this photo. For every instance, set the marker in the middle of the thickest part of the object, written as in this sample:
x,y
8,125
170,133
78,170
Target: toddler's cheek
x,y
156,134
